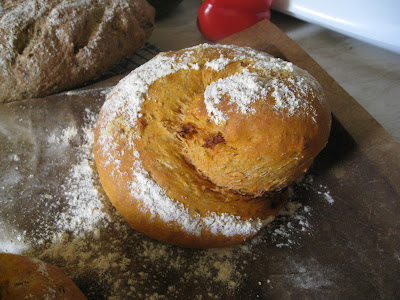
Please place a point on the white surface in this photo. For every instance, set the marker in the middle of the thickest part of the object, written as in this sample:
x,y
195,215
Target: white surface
x,y
368,73
374,22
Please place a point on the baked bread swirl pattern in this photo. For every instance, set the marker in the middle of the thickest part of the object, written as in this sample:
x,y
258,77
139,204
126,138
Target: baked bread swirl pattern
x,y
196,147
22,277
47,46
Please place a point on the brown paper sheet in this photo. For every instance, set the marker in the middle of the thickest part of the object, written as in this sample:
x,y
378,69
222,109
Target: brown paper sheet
x,y
341,242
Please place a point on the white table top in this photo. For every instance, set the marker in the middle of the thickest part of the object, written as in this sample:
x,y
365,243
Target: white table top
x,y
371,75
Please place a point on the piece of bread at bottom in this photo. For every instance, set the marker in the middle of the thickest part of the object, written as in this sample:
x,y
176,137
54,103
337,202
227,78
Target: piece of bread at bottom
x,y
197,147
49,46
22,277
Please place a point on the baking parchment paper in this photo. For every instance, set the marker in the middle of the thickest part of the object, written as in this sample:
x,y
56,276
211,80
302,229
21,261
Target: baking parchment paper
x,y
337,238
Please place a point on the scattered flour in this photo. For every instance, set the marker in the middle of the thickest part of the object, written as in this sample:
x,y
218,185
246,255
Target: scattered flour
x,y
65,137
82,188
11,239
14,157
290,224
326,194
329,198
309,274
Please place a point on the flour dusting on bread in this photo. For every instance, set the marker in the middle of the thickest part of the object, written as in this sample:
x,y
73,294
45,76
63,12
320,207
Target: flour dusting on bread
x,y
130,95
243,89
232,85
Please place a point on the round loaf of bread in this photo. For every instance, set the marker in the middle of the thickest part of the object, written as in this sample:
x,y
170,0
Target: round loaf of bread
x,y
48,46
22,277
196,147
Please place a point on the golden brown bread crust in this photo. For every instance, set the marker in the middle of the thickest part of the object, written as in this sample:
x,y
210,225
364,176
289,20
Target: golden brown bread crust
x,y
50,46
196,147
22,277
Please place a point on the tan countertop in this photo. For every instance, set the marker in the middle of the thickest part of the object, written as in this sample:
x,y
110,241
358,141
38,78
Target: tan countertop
x,y
368,73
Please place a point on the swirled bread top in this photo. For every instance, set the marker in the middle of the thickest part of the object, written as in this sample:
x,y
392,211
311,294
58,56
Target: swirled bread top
x,y
249,76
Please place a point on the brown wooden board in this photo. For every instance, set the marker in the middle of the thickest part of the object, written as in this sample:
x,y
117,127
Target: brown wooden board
x,y
343,242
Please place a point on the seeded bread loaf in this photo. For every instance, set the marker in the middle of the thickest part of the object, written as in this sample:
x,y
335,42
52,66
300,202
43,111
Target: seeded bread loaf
x,y
197,147
22,277
47,46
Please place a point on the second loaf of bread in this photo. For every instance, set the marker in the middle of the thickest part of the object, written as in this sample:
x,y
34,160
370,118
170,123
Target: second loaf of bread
x,y
48,46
